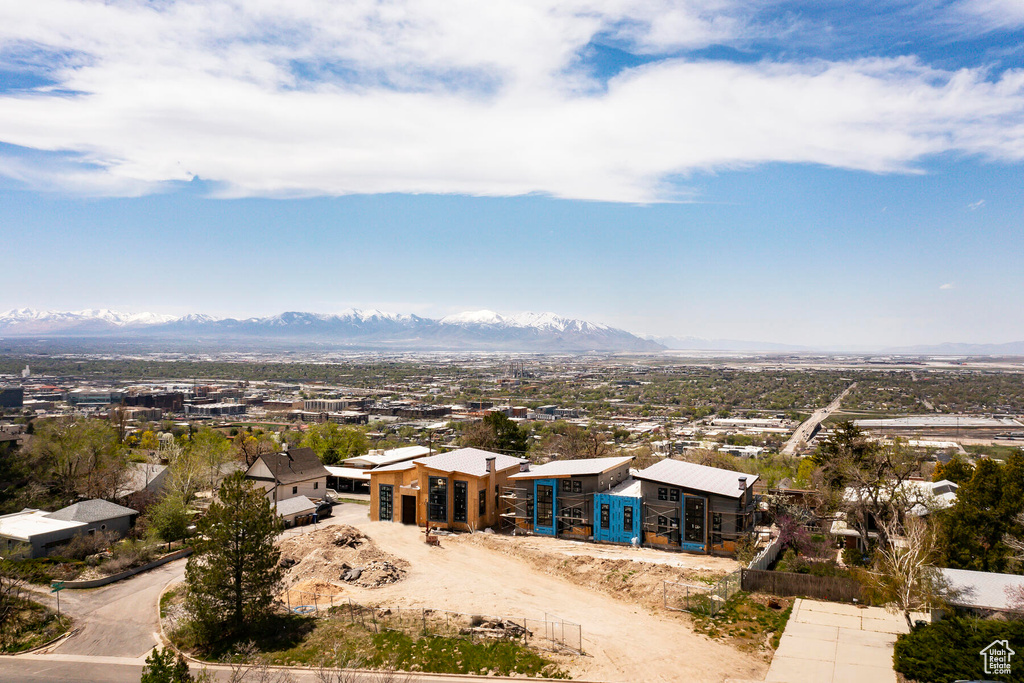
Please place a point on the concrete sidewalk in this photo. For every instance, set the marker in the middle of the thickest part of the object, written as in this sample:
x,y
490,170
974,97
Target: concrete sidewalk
x,y
837,643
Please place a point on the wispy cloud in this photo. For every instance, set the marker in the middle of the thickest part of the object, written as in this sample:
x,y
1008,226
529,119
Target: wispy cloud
x,y
974,206
948,285
309,97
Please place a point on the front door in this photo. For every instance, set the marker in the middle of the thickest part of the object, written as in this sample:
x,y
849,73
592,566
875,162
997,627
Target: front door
x,y
408,509
694,527
545,497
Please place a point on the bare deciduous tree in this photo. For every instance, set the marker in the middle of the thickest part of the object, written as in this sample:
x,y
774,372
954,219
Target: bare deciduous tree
x,y
904,571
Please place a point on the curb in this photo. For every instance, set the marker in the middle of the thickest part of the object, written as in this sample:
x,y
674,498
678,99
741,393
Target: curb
x,y
114,578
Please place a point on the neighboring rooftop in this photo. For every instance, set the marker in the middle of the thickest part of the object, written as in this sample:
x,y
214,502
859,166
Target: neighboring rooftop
x,y
388,457
294,465
698,477
294,506
471,461
573,468
984,590
359,473
22,526
89,511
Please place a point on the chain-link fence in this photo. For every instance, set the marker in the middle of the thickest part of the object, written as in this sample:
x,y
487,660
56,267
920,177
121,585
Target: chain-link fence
x,y
700,599
550,633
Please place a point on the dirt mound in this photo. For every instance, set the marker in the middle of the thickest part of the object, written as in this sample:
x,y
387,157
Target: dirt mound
x,y
337,556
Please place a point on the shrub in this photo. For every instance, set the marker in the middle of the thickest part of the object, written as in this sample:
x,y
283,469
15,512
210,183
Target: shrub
x,y
855,557
83,545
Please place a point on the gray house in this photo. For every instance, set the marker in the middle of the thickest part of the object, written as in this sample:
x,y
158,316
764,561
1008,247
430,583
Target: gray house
x,y
37,533
98,515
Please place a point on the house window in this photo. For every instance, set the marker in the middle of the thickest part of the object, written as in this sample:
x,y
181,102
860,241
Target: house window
x,y
386,502
529,506
662,524
566,486
662,493
694,532
673,495
545,505
437,499
316,485
577,486
716,527
295,490
483,503
627,517
605,516
460,501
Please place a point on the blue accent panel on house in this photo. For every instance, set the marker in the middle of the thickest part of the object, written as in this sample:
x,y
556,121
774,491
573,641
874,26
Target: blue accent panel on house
x,y
616,531
539,528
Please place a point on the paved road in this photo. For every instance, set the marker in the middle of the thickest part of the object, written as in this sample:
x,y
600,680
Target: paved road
x,y
73,669
803,432
119,620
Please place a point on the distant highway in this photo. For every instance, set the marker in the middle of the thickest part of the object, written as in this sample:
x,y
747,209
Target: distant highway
x,y
804,431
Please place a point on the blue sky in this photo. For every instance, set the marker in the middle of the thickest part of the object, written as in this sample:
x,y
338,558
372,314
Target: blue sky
x,y
825,174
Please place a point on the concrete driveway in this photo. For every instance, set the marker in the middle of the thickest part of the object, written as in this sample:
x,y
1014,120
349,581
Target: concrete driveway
x,y
837,643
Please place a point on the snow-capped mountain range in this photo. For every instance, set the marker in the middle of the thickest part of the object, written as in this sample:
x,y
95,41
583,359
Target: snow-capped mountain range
x,y
482,330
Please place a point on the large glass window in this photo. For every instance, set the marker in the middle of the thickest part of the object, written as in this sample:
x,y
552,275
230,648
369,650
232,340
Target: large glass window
x,y
577,486
460,501
605,515
662,493
437,499
545,505
627,517
386,502
566,485
483,503
694,520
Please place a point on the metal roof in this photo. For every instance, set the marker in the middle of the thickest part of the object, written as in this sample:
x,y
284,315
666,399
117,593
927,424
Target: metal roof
x,y
471,461
986,590
698,477
389,457
348,472
89,511
571,468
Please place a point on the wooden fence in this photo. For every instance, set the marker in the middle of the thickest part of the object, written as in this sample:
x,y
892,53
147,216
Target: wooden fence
x,y
784,584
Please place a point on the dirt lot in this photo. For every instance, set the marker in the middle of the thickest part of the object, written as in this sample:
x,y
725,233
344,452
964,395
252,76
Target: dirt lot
x,y
626,636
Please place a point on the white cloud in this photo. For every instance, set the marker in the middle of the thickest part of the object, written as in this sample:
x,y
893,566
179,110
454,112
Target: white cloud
x,y
446,96
948,285
974,206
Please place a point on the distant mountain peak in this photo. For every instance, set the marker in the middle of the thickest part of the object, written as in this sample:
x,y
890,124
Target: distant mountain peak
x,y
481,330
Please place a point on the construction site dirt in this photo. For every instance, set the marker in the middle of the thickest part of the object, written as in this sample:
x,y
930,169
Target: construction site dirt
x,y
613,593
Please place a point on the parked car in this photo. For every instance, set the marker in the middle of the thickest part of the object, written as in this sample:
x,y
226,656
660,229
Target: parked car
x,y
324,510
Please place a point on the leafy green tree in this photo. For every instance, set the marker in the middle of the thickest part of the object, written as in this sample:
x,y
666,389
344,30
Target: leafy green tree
x,y
496,432
162,667
80,457
170,518
957,470
332,443
848,445
233,576
973,531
